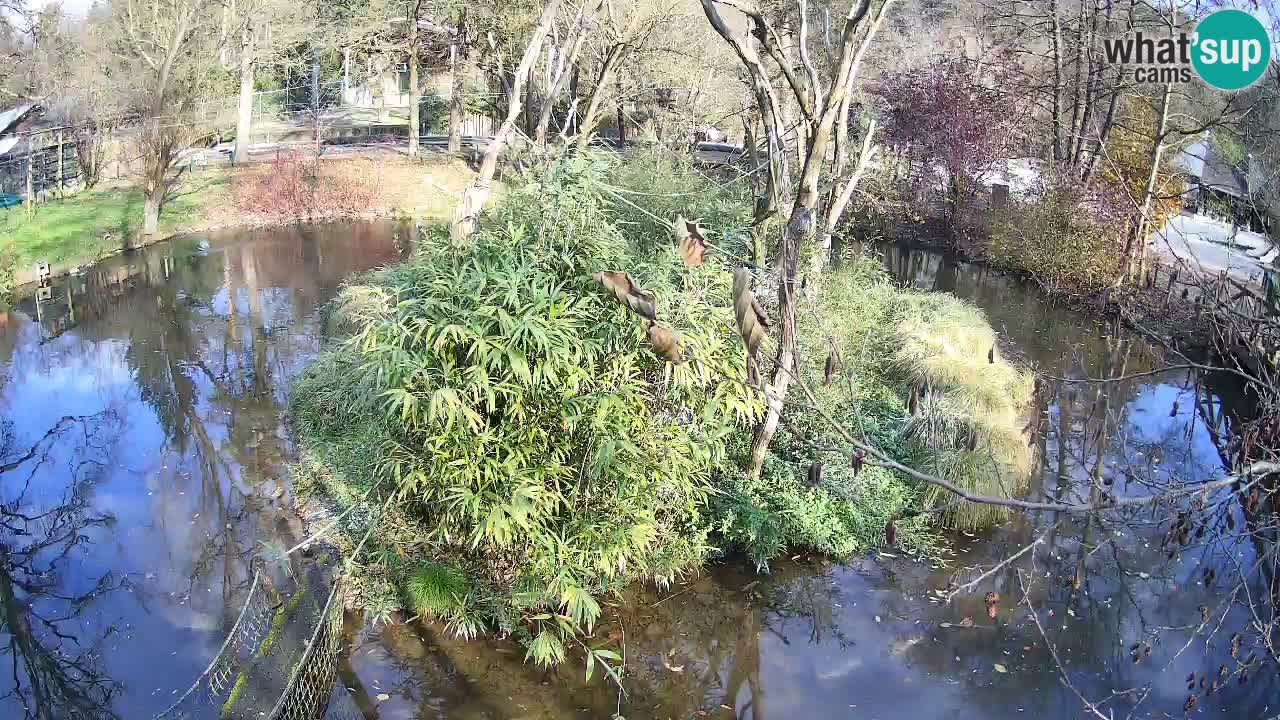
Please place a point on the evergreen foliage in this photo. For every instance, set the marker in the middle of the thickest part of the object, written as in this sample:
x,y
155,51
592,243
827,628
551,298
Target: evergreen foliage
x,y
536,453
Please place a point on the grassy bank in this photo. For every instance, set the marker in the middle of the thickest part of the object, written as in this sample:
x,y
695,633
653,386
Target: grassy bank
x,y
84,227
80,228
526,449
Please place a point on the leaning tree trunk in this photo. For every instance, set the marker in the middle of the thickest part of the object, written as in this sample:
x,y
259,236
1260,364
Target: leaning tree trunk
x,y
467,212
244,117
1136,247
591,116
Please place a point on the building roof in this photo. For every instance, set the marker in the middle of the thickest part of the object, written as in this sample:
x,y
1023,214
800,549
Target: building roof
x,y
1201,161
1220,175
11,116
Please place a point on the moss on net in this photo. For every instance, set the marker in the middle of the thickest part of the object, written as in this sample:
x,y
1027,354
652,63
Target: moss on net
x,y
527,451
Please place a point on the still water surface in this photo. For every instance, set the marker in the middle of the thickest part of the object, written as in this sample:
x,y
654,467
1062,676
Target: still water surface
x,y
144,456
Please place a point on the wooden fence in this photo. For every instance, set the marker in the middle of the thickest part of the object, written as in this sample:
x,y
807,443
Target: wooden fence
x,y
1245,317
41,163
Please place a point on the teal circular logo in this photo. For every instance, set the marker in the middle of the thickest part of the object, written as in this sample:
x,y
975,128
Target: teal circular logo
x,y
1231,49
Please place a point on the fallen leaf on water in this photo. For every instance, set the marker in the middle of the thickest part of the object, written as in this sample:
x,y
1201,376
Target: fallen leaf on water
x,y
1000,668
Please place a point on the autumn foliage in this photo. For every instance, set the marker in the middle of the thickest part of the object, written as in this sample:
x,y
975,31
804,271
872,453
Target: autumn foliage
x,y
297,186
950,121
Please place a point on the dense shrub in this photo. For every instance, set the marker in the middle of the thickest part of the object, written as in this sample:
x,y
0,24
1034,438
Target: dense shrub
x,y
886,344
1071,238
521,415
534,453
297,186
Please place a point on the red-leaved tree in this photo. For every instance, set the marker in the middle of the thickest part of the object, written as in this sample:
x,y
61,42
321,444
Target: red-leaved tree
x,y
951,121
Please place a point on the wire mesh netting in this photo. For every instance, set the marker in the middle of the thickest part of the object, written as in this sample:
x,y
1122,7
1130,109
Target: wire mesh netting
x,y
278,661
241,642
307,694
37,168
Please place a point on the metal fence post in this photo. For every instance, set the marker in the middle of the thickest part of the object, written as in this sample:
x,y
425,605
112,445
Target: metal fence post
x,y
31,200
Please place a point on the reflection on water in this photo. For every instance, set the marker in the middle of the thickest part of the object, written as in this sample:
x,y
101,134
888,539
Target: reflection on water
x,y
141,461
142,458
869,639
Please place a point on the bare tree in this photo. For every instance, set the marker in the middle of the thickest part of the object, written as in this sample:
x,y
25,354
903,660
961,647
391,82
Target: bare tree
x,y
562,63
823,104
262,33
466,214
55,668
624,34
170,48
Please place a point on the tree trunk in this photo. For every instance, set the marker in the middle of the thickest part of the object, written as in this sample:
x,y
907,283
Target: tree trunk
x,y
529,95
622,112
1093,69
1077,101
151,198
593,103
1136,247
315,101
244,117
1056,46
794,234
467,212
460,68
571,120
1112,104
415,92
803,222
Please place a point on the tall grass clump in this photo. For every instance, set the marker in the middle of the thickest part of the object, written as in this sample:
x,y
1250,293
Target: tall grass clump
x,y
885,344
8,269
971,404
526,430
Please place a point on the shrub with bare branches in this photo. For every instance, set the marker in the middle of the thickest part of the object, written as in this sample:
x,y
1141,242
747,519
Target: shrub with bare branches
x,y
296,186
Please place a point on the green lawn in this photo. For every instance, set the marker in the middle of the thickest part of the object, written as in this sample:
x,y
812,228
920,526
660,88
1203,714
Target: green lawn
x,y
90,224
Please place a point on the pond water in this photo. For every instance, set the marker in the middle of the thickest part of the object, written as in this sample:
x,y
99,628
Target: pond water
x,y
144,460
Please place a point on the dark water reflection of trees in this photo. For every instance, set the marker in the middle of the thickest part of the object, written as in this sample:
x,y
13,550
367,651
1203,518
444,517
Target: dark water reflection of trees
x,y
126,537
124,554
